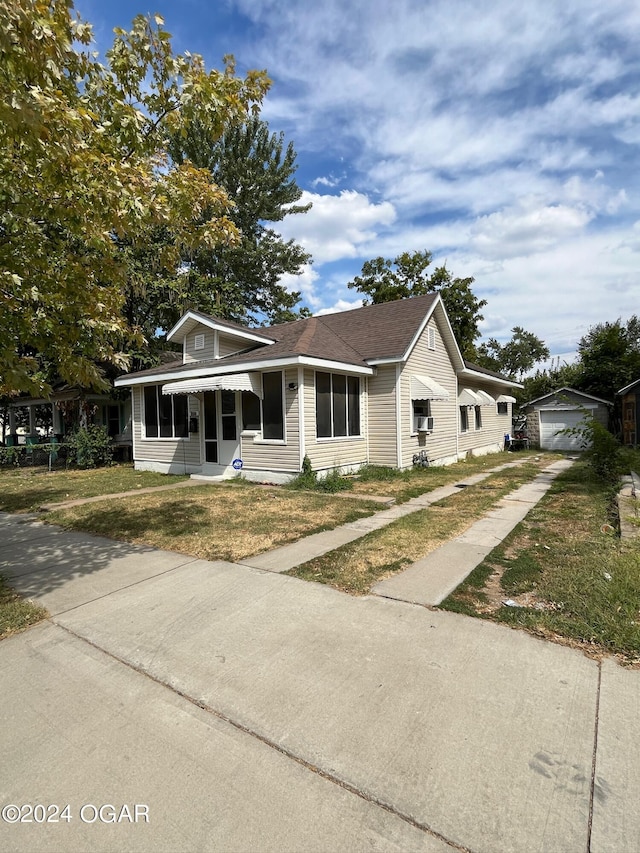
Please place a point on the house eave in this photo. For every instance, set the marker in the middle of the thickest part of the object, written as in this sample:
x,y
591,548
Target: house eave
x,y
466,373
259,364
218,327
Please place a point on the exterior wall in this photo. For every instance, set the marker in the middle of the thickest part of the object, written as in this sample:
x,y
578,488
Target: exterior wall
x,y
169,455
441,444
326,454
631,417
490,437
283,456
190,351
216,344
381,416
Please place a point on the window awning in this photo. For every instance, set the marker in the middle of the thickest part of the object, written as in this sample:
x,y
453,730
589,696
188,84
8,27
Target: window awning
x,y
505,398
230,382
425,388
467,397
485,399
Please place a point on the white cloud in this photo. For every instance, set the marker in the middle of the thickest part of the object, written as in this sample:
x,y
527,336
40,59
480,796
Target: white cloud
x,y
340,305
338,225
518,232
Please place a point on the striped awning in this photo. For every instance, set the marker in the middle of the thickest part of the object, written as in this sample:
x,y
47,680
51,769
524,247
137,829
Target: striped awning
x,y
425,388
505,398
467,397
486,399
229,382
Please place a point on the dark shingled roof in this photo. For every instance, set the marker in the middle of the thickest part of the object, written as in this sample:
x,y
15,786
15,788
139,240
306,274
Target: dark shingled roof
x,y
352,337
375,331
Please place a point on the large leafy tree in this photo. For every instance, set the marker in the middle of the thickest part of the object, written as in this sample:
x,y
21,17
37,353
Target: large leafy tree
x,y
83,169
242,281
609,357
516,357
385,280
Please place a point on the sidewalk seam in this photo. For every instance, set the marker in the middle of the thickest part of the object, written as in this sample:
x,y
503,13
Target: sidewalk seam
x,y
594,757
324,774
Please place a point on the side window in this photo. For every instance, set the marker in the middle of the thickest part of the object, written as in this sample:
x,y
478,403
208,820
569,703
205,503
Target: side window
x,y
464,419
421,409
337,405
503,408
272,406
478,417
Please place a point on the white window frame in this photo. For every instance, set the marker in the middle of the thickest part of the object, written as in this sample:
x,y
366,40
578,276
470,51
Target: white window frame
x,y
198,342
414,418
349,436
431,335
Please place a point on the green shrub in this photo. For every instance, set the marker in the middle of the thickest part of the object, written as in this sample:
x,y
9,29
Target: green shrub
x,y
91,447
308,479
603,450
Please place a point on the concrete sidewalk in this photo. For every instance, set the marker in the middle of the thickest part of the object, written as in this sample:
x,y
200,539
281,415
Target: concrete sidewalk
x,y
432,579
249,710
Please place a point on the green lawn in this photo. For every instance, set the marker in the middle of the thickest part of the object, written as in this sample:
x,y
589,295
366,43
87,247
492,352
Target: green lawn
x,y
566,570
16,614
27,489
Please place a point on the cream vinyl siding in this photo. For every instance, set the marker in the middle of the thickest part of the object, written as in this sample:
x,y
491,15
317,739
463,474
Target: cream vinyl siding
x,y
177,451
494,426
190,351
216,344
381,416
275,456
230,346
435,363
328,453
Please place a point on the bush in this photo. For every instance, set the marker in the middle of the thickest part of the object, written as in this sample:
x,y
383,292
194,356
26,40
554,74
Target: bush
x,y
91,447
603,450
308,479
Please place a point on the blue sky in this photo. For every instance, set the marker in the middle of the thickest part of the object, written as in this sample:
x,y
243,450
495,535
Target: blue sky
x,y
503,137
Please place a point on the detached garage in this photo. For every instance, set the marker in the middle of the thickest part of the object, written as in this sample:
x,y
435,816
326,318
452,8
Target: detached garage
x,y
563,409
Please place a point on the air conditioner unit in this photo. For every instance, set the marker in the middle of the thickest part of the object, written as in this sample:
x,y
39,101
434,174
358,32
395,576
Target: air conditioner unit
x,y
425,424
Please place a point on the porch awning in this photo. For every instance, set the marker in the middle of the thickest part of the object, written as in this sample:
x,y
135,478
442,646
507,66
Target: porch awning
x,y
505,398
230,382
486,399
467,397
425,388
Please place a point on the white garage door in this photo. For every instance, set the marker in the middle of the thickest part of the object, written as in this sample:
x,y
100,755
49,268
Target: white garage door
x,y
552,422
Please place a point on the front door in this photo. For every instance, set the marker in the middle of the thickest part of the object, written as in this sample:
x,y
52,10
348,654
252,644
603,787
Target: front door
x,y
221,443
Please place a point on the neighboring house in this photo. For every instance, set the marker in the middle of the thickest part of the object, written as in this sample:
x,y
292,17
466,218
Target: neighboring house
x,y
630,413
376,385
70,408
560,410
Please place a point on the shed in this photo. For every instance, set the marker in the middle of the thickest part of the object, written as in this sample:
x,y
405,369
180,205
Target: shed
x,y
550,415
630,412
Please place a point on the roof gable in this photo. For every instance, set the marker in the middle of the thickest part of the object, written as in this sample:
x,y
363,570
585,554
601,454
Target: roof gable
x,y
192,319
568,390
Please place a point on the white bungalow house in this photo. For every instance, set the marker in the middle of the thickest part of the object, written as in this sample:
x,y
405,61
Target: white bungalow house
x,y
376,385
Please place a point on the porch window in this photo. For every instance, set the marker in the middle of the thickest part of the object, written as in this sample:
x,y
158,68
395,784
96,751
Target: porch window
x,y
478,417
272,406
165,415
503,408
464,419
250,411
337,405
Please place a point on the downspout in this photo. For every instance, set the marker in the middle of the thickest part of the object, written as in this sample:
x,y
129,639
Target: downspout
x,y
301,425
457,420
398,416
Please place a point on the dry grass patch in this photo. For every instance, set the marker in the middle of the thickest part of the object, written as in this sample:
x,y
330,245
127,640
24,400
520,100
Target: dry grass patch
x,y
565,569
223,521
16,614
27,489
355,567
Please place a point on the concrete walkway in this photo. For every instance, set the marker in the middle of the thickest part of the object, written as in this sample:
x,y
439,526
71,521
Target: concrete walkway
x,y
249,710
289,556
432,579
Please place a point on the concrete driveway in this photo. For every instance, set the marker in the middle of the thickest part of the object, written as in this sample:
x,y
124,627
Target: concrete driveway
x,y
241,709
